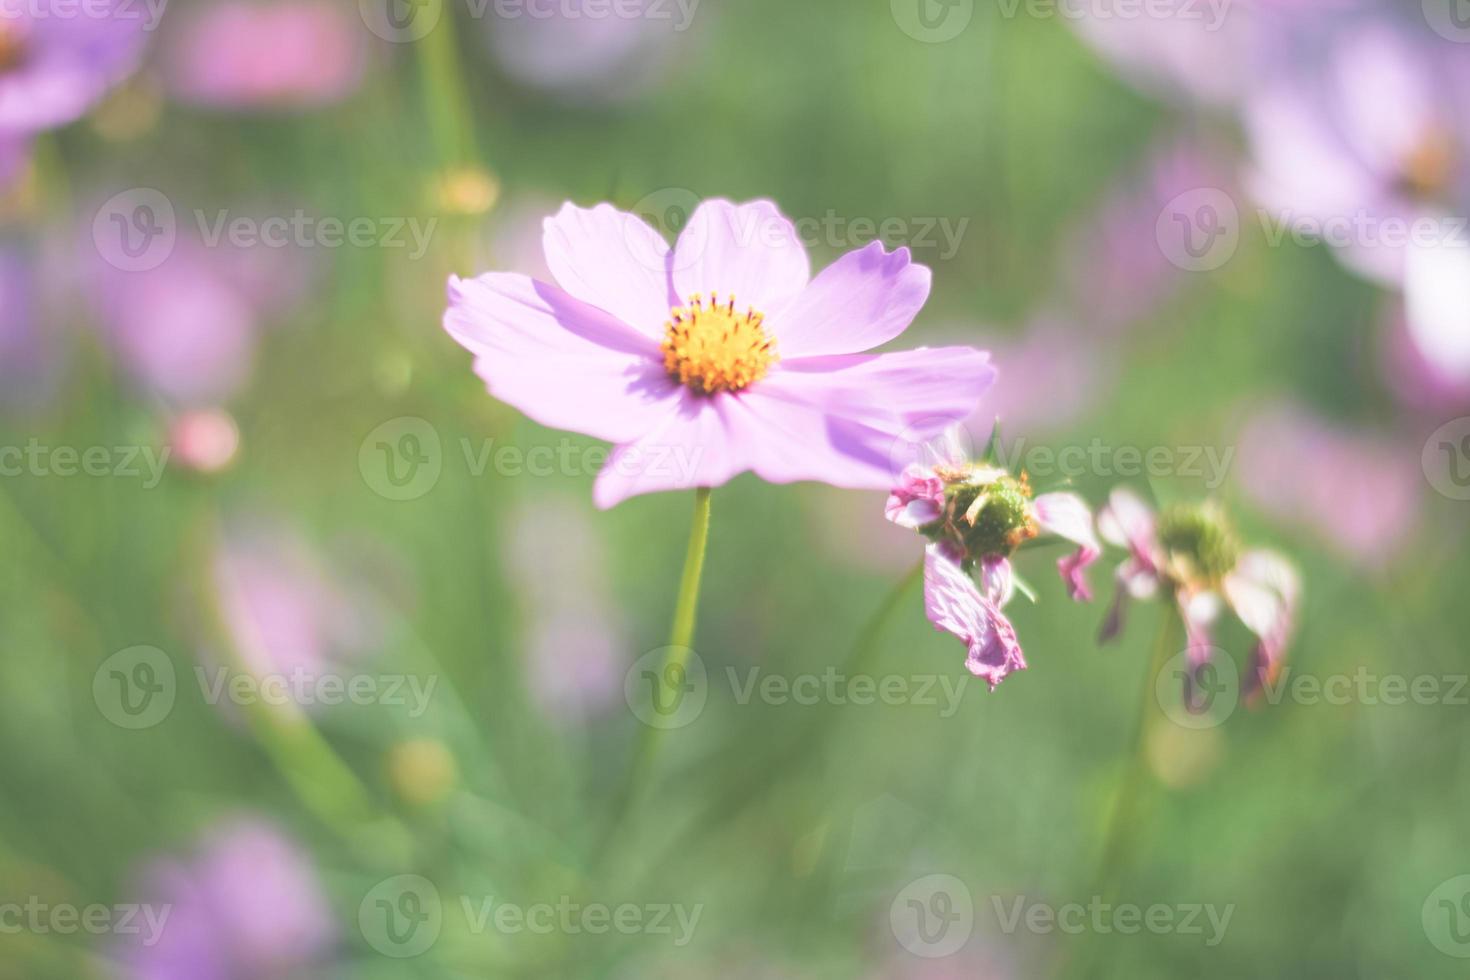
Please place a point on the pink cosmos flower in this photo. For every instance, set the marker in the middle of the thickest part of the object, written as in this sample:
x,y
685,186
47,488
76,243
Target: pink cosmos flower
x,y
975,517
1190,555
284,54
58,58
1358,492
1361,148
717,356
248,903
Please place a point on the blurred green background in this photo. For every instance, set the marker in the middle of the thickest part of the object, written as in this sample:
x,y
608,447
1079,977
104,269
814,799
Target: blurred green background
x,y
796,828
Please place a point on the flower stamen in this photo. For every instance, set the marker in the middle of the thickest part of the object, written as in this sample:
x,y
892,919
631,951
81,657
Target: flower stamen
x,y
711,348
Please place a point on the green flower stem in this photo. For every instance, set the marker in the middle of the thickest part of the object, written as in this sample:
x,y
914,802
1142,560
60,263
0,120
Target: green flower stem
x,y
1125,813
681,634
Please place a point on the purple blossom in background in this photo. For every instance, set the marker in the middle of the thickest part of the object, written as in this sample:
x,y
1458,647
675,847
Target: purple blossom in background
x,y
1115,272
283,610
575,645
29,355
1361,146
279,54
57,59
1416,381
245,904
580,51
1358,493
1054,373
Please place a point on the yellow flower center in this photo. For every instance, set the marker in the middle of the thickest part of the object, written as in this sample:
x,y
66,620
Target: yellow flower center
x,y
1429,168
12,47
711,348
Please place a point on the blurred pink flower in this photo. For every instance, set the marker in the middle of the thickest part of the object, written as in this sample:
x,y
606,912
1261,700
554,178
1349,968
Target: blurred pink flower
x,y
1115,272
1357,492
575,639
584,51
246,903
182,330
187,331
1360,148
58,58
285,613
1417,382
205,440
669,353
277,54
30,356
1051,375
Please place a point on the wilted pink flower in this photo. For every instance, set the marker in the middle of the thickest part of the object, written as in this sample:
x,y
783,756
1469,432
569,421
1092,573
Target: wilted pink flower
x,y
278,54
718,356
583,51
59,57
1362,150
975,517
1190,556
1358,493
246,903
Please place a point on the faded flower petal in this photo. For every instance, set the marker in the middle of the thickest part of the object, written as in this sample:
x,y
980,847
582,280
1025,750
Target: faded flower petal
x,y
955,605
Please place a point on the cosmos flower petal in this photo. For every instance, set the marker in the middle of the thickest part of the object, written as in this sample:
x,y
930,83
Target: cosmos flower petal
x,y
917,499
1126,521
71,62
1437,304
954,605
866,298
1263,592
692,446
1134,581
748,251
1066,515
564,363
997,580
614,261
